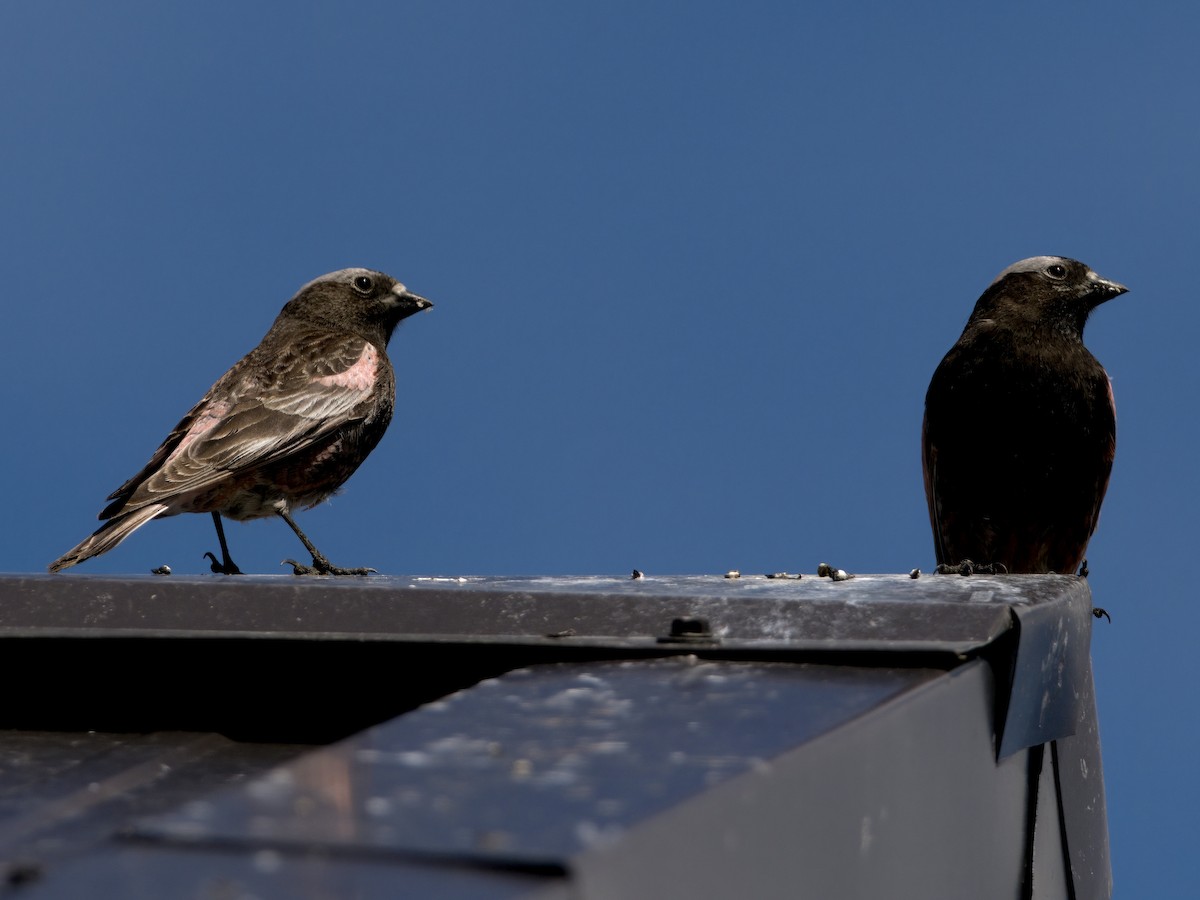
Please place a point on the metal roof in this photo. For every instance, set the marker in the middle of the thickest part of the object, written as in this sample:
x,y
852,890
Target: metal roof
x,y
550,737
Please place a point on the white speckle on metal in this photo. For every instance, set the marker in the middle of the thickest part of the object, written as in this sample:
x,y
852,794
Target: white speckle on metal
x,y
268,861
866,835
378,806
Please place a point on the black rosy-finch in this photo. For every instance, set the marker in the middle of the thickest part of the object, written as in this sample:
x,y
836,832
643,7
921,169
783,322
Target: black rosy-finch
x,y
1020,427
281,430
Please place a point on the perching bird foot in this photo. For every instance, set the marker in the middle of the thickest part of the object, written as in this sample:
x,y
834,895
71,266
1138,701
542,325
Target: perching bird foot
x,y
322,566
825,570
1101,613
228,567
969,567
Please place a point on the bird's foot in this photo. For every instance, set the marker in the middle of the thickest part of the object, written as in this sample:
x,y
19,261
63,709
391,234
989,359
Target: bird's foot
x,y
825,570
1083,571
322,566
228,567
1101,613
969,567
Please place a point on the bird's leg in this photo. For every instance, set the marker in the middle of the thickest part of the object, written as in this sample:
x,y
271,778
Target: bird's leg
x,y
1098,611
320,565
226,566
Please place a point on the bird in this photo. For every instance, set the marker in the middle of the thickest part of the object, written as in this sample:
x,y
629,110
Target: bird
x,y
283,429
1020,429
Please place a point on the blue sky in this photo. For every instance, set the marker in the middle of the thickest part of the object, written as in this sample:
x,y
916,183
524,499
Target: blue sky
x,y
694,264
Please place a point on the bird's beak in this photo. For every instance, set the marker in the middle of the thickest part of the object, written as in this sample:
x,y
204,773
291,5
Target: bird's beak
x,y
409,301
1103,289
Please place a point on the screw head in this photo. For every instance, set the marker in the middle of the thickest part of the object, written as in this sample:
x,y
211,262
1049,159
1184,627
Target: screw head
x,y
689,630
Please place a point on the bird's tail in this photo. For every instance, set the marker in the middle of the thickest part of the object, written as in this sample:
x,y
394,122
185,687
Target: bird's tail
x,y
108,536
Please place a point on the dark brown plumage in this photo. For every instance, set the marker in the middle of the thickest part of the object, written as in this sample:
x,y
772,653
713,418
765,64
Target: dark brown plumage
x,y
1020,426
281,430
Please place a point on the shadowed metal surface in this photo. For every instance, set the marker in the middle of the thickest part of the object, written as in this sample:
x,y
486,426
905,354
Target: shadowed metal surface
x,y
542,763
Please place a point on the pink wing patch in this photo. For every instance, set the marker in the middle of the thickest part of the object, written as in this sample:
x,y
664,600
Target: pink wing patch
x,y
205,422
360,377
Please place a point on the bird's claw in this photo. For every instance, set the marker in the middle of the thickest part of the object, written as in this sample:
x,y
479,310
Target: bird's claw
x,y
1101,613
969,567
218,568
359,570
322,566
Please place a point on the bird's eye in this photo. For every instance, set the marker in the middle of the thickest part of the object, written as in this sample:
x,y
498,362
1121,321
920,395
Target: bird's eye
x,y
1056,271
363,284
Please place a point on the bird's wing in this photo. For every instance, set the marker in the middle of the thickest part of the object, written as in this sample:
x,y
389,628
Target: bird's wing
x,y
1110,453
929,470
275,402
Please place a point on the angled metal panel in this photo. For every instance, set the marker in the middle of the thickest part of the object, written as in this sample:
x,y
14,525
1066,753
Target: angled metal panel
x,y
949,614
906,801
540,764
128,872
870,612
1049,871
1052,668
1080,775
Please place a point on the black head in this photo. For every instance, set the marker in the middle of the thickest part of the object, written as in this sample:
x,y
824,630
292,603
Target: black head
x,y
361,301
1045,291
